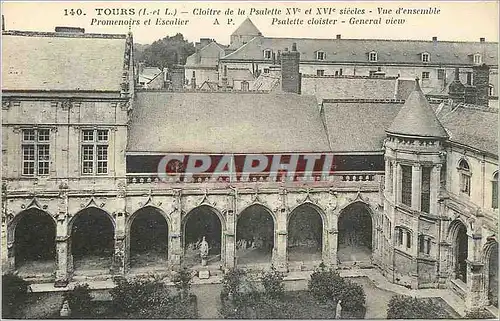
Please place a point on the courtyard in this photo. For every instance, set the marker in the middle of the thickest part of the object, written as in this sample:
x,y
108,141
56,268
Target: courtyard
x,y
43,305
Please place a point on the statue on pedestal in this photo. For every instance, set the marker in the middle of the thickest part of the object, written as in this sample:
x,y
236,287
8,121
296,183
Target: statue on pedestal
x,y
65,309
204,251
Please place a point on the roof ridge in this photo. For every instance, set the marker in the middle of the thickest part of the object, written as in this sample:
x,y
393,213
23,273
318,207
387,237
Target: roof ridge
x,y
63,34
376,39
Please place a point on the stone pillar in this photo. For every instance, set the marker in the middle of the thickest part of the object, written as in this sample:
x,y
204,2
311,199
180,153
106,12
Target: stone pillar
x,y
5,257
416,178
388,182
281,260
333,238
475,280
119,262
176,250
435,185
64,261
230,239
396,191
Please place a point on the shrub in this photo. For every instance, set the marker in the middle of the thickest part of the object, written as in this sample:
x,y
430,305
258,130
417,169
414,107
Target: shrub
x,y
353,296
139,295
80,300
273,283
326,285
406,307
14,295
231,282
182,282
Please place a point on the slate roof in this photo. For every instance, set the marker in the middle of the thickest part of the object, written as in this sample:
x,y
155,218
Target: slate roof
x,y
207,56
349,87
247,28
417,118
473,127
357,125
225,123
356,50
59,61
404,88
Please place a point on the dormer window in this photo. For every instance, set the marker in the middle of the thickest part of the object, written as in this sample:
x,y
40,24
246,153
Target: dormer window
x,y
372,56
267,54
426,57
478,59
320,55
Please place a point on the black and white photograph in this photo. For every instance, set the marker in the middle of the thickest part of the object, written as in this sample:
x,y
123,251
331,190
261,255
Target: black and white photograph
x,y
250,159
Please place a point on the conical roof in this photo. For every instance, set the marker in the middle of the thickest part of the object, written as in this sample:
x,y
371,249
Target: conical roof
x,y
417,118
247,28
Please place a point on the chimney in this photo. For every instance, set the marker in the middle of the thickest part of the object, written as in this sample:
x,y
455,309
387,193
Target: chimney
x,y
481,78
70,29
339,36
434,38
193,81
470,95
177,77
482,39
456,90
224,78
290,72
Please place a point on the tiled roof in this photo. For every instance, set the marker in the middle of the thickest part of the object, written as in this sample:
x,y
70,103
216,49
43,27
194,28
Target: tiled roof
x,y
404,88
266,82
54,61
225,123
247,28
207,56
356,50
348,87
358,125
417,118
473,127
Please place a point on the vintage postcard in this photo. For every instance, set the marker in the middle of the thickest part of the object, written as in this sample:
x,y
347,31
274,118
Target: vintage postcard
x,y
250,160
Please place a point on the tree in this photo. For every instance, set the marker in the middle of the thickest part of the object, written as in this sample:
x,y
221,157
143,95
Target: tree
x,y
166,52
14,295
80,300
326,285
273,283
182,282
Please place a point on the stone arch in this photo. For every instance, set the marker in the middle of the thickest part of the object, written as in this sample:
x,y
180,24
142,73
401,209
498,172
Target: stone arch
x,y
255,234
356,236
216,226
490,260
147,231
458,238
92,238
32,235
307,245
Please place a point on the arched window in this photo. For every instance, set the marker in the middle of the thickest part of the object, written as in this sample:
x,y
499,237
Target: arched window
x,y
494,191
465,174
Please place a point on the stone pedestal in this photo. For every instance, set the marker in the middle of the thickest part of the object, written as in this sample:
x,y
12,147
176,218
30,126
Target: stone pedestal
x,y
204,274
203,262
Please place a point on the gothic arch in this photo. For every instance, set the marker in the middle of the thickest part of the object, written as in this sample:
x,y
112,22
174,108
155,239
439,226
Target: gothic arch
x,y
490,284
453,228
211,208
132,217
82,211
11,226
315,207
258,204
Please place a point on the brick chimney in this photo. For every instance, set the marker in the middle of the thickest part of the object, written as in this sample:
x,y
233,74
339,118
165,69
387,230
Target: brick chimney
x,y
339,37
193,81
290,74
177,77
470,95
456,89
481,79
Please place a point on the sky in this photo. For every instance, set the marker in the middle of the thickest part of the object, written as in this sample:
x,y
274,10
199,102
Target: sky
x,y
456,20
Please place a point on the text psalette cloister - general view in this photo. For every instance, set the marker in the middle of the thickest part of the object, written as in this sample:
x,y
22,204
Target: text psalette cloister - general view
x,y
249,160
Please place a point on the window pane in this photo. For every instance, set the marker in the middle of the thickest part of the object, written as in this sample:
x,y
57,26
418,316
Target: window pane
x,y
102,135
102,153
43,168
28,134
43,135
88,135
426,189
406,185
28,152
28,168
408,239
